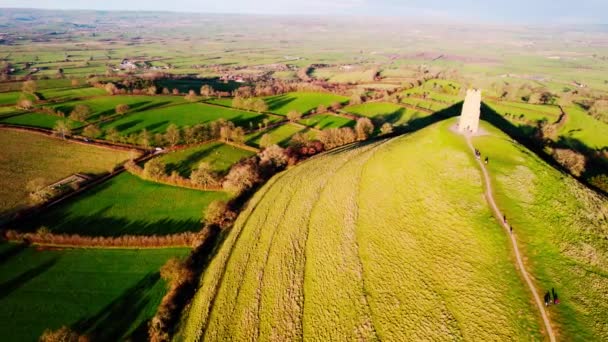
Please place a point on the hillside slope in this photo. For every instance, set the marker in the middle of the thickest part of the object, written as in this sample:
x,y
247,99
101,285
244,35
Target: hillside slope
x,y
392,240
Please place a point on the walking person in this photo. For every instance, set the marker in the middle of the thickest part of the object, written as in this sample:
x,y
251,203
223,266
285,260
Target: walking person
x,y
547,298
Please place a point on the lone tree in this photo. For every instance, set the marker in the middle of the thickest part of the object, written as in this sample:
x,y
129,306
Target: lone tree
x,y
204,176
387,128
29,87
207,91
218,213
112,135
62,128
154,169
122,108
294,116
91,131
80,113
265,141
173,135
24,103
191,97
364,128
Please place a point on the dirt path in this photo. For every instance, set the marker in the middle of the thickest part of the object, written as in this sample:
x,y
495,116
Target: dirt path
x,y
499,216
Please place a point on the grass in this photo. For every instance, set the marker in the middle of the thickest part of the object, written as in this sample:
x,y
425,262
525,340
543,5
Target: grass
x,y
279,135
584,128
302,102
27,156
390,240
519,111
157,120
220,156
562,227
324,121
128,205
385,112
37,120
106,105
108,294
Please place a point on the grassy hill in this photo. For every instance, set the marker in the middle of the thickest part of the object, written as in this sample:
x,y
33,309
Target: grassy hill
x,y
391,240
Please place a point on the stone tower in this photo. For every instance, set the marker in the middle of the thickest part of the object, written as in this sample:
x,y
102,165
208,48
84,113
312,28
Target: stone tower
x,y
471,109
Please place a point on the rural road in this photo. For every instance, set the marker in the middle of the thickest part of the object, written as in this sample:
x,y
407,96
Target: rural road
x,y
520,263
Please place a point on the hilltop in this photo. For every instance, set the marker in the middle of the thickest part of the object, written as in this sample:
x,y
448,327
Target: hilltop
x,y
394,240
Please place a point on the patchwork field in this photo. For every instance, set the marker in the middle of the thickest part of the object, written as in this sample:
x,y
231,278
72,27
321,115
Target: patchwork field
x,y
157,120
391,240
106,105
584,128
279,135
385,112
220,156
105,293
28,156
37,120
562,226
302,102
128,205
324,121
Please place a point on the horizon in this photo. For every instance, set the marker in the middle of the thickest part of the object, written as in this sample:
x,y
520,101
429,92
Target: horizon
x,y
541,13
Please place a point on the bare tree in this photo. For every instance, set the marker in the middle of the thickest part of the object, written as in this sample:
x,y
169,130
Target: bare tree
x,y
173,135
122,108
364,128
294,116
265,141
62,128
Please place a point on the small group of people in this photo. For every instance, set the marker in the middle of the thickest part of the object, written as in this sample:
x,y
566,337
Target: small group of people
x,y
478,156
551,297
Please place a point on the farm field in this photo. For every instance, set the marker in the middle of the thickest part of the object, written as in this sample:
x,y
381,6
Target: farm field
x,y
220,157
525,111
157,120
302,102
127,205
324,121
279,135
425,104
39,120
584,128
396,235
28,156
562,226
63,94
106,105
385,112
108,294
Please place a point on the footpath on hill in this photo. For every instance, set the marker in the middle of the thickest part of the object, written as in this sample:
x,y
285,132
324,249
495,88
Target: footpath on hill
x,y
499,216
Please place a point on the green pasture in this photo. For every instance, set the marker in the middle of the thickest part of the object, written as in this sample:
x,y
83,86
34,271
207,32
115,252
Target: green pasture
x,y
302,102
127,205
220,156
107,294
324,121
279,135
157,120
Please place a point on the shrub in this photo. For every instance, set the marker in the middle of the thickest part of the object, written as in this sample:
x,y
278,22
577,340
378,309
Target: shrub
x,y
154,168
91,131
204,176
294,116
387,128
218,213
571,160
63,334
122,108
80,113
242,176
364,128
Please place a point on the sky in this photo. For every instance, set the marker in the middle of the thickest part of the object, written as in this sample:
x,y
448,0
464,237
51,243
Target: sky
x,y
528,11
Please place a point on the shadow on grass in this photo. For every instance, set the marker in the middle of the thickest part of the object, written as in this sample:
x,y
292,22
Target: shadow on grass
x,y
277,102
9,286
11,251
185,166
525,135
113,322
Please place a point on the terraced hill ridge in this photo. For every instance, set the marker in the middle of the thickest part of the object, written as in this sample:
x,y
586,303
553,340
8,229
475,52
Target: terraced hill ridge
x,y
393,240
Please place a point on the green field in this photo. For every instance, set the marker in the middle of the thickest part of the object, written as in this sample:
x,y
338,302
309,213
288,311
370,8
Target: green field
x,y
562,227
106,105
525,111
63,94
584,128
279,135
324,121
302,102
27,156
157,120
220,156
38,120
391,241
104,293
128,205
385,112
425,104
